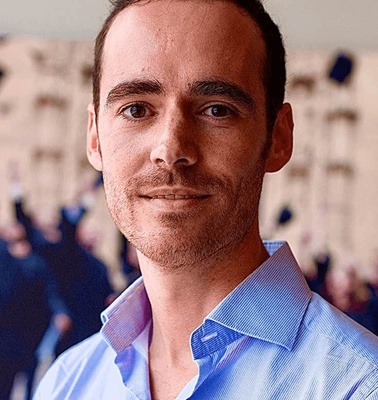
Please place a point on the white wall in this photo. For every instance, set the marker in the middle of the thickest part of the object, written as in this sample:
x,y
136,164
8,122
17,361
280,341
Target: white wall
x,y
314,24
327,24
56,19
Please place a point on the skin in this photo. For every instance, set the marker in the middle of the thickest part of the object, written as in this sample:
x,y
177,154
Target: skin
x,y
182,141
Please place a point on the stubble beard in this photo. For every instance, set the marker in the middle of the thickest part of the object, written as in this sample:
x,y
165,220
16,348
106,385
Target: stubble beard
x,y
178,245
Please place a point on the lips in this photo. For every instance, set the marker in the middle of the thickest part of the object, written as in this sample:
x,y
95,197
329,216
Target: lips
x,y
173,194
175,197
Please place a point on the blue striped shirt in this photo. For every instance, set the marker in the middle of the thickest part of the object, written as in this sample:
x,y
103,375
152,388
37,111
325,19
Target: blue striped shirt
x,y
270,338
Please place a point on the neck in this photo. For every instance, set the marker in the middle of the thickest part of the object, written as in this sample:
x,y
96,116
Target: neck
x,y
181,299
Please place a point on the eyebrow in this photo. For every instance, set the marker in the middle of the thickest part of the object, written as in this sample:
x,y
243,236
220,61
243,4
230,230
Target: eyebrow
x,y
225,89
199,88
133,87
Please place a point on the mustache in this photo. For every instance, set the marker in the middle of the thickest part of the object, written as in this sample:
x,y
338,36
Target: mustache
x,y
178,177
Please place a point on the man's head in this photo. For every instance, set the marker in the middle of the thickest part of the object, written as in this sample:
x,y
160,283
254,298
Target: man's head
x,y
181,129
275,65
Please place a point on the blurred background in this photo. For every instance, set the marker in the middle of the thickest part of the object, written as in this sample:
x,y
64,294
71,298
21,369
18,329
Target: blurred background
x,y
325,202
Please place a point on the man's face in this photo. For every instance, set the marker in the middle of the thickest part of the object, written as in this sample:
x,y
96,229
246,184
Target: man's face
x,y
182,128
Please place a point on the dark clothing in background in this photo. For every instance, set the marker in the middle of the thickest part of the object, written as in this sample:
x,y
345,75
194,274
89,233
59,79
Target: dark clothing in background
x,y
28,301
82,279
368,316
85,288
130,271
8,274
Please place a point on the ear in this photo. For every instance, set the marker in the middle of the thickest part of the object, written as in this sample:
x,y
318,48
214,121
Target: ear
x,y
282,140
93,145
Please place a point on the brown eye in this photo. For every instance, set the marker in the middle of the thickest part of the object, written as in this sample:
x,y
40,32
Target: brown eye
x,y
135,111
218,111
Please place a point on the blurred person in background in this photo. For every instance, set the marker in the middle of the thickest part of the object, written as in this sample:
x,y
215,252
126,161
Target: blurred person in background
x,y
28,302
350,294
82,278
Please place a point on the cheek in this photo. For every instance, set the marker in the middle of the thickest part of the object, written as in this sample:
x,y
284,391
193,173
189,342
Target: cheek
x,y
123,154
238,156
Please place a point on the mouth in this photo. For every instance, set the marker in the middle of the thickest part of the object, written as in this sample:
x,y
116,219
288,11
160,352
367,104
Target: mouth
x,y
175,197
175,194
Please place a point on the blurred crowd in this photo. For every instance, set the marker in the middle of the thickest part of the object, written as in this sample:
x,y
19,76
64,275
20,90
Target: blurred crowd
x,y
53,287
343,286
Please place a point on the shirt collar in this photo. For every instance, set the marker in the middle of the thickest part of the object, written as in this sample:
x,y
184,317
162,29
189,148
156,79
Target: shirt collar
x,y
126,318
269,304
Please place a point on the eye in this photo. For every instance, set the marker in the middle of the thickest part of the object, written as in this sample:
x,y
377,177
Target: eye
x,y
136,111
218,111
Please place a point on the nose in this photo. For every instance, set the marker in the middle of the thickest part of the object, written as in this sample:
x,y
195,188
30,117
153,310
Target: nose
x,y
176,144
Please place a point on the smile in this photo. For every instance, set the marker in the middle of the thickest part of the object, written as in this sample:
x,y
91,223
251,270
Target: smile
x,y
175,194
175,197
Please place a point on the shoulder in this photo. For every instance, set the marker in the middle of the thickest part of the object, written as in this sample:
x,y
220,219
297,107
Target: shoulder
x,y
342,350
88,352
76,369
331,324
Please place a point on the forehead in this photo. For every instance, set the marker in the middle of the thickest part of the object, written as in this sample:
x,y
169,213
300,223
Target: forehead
x,y
187,38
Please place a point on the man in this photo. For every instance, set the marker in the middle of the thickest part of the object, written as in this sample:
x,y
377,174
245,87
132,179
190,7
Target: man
x,y
187,116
